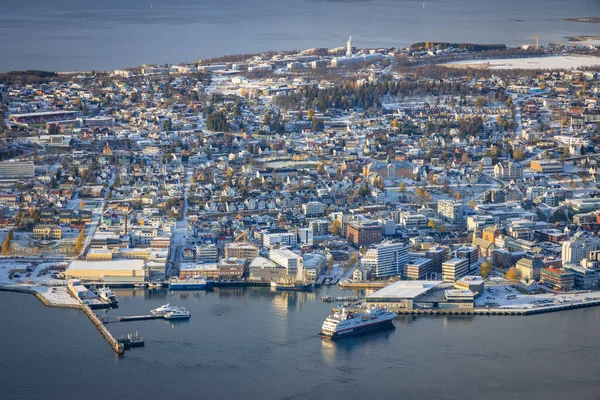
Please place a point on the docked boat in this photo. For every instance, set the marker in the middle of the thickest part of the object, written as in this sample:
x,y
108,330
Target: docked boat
x,y
179,313
132,340
195,283
107,295
140,285
155,284
162,310
291,286
343,323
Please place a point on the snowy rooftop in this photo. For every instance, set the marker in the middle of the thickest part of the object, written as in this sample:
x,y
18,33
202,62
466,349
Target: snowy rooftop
x,y
404,290
114,265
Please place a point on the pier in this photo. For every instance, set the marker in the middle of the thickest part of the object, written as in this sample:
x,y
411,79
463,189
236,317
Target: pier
x,y
117,347
483,310
139,318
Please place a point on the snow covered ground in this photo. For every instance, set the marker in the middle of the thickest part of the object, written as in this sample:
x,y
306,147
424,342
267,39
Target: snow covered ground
x,y
546,63
53,290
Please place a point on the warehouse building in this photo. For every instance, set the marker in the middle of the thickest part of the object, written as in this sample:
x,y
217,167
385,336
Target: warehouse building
x,y
116,271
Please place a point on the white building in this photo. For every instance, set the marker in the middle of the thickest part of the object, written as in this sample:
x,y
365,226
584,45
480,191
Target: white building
x,y
284,239
288,259
207,254
575,250
388,258
450,210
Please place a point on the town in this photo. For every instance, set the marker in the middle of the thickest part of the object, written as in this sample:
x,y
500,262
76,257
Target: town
x,y
435,186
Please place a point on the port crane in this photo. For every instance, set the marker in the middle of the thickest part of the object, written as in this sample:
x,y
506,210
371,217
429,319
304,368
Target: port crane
x,y
537,40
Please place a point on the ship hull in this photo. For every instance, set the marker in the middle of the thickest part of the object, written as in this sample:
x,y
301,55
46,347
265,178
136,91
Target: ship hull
x,y
359,330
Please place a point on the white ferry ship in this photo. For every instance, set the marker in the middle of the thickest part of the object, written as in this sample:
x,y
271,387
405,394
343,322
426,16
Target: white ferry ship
x,y
344,323
179,313
162,310
195,283
106,294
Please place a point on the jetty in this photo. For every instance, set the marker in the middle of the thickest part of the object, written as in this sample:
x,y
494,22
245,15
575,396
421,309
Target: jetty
x,y
119,348
139,318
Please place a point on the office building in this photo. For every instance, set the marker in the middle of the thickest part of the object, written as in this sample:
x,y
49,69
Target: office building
x,y
387,258
454,269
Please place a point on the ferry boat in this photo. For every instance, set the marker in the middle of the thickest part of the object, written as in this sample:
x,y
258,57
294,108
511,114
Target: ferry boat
x,y
195,283
106,294
162,310
343,323
179,313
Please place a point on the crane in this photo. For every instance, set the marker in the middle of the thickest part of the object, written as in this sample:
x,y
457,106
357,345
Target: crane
x,y
537,40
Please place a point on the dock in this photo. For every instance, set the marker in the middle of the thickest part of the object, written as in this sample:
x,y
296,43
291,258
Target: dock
x,y
363,285
139,318
119,348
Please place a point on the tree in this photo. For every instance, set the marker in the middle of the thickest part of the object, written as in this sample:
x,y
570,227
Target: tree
x,y
432,224
403,187
330,263
6,244
518,154
336,227
80,241
513,274
352,260
318,124
486,269
310,114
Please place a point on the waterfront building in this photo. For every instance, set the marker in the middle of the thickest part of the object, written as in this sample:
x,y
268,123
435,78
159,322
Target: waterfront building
x,y
557,279
291,261
115,271
264,270
232,268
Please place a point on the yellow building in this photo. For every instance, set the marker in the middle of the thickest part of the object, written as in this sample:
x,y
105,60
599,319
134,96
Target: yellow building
x,y
135,254
115,271
47,232
99,255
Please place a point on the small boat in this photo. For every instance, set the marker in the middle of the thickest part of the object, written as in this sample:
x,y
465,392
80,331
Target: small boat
x,y
155,284
179,313
291,286
140,285
132,340
162,310
107,295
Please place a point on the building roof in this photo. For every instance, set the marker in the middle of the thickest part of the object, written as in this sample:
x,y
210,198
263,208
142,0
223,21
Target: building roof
x,y
403,290
135,265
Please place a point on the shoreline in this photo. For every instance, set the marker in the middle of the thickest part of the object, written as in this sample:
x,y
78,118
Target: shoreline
x,y
40,297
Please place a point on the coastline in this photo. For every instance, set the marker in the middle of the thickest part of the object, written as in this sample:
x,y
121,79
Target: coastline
x,y
45,301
